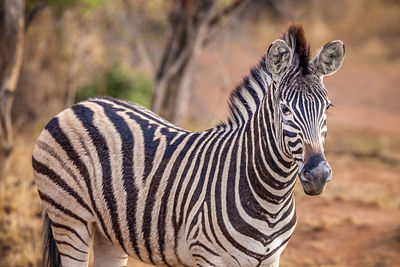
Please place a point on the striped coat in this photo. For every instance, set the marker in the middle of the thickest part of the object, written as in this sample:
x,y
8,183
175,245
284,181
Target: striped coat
x,y
114,174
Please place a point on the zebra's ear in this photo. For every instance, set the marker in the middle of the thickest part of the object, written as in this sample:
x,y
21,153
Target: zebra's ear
x,y
278,58
330,58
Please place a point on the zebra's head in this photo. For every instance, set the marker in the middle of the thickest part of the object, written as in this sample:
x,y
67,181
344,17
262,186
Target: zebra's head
x,y
301,102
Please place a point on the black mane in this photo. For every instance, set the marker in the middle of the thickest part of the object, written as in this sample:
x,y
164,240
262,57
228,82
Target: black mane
x,y
296,39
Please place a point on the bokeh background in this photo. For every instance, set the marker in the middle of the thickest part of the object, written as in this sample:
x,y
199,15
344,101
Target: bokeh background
x,y
75,49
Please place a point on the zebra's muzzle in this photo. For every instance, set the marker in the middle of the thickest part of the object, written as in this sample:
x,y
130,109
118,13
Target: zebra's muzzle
x,y
315,175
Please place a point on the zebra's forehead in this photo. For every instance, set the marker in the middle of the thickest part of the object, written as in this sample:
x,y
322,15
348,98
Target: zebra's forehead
x,y
307,87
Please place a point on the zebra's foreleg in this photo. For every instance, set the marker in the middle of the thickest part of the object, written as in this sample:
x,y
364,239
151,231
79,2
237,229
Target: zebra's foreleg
x,y
106,254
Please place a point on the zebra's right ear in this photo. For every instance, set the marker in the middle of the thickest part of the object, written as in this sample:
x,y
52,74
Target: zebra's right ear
x,y
330,58
278,58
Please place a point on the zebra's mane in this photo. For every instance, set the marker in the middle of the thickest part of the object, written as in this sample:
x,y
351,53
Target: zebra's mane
x,y
296,40
246,96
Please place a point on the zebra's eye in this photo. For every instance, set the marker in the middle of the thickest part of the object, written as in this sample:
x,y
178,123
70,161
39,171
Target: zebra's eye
x,y
285,110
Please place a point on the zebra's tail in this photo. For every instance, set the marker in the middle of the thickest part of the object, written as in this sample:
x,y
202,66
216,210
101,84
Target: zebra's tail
x,y
51,255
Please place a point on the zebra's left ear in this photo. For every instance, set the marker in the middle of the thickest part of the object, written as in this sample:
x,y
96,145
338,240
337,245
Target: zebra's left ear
x,y
330,58
278,58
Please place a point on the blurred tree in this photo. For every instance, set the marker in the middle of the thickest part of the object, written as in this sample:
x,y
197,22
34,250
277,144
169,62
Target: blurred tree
x,y
189,24
11,51
34,7
15,18
292,9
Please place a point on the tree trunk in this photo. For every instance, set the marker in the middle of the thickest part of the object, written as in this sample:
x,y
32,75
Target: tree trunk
x,y
190,22
11,51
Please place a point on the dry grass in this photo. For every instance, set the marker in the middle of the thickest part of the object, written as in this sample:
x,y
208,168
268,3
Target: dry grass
x,y
20,218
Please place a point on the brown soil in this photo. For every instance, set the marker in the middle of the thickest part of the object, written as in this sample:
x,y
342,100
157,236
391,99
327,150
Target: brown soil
x,y
355,222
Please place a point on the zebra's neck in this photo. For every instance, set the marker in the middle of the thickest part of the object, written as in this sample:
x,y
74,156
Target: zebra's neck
x,y
266,175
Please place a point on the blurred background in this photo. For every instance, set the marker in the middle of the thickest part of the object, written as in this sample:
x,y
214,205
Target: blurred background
x,y
182,58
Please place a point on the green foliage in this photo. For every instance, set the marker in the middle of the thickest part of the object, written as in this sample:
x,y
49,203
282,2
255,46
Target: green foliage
x,y
66,3
119,84
61,5
89,90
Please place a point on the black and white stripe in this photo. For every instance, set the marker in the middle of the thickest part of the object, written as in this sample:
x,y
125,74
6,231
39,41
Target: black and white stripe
x,y
116,173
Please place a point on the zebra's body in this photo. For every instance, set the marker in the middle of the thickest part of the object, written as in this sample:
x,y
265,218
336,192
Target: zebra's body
x,y
116,173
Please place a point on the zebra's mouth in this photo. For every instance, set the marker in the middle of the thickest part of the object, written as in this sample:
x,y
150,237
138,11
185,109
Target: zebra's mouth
x,y
313,189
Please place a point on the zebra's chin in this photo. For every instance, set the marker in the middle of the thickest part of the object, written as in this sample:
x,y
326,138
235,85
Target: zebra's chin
x,y
313,189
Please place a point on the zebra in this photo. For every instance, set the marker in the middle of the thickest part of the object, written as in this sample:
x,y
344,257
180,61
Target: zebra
x,y
115,177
